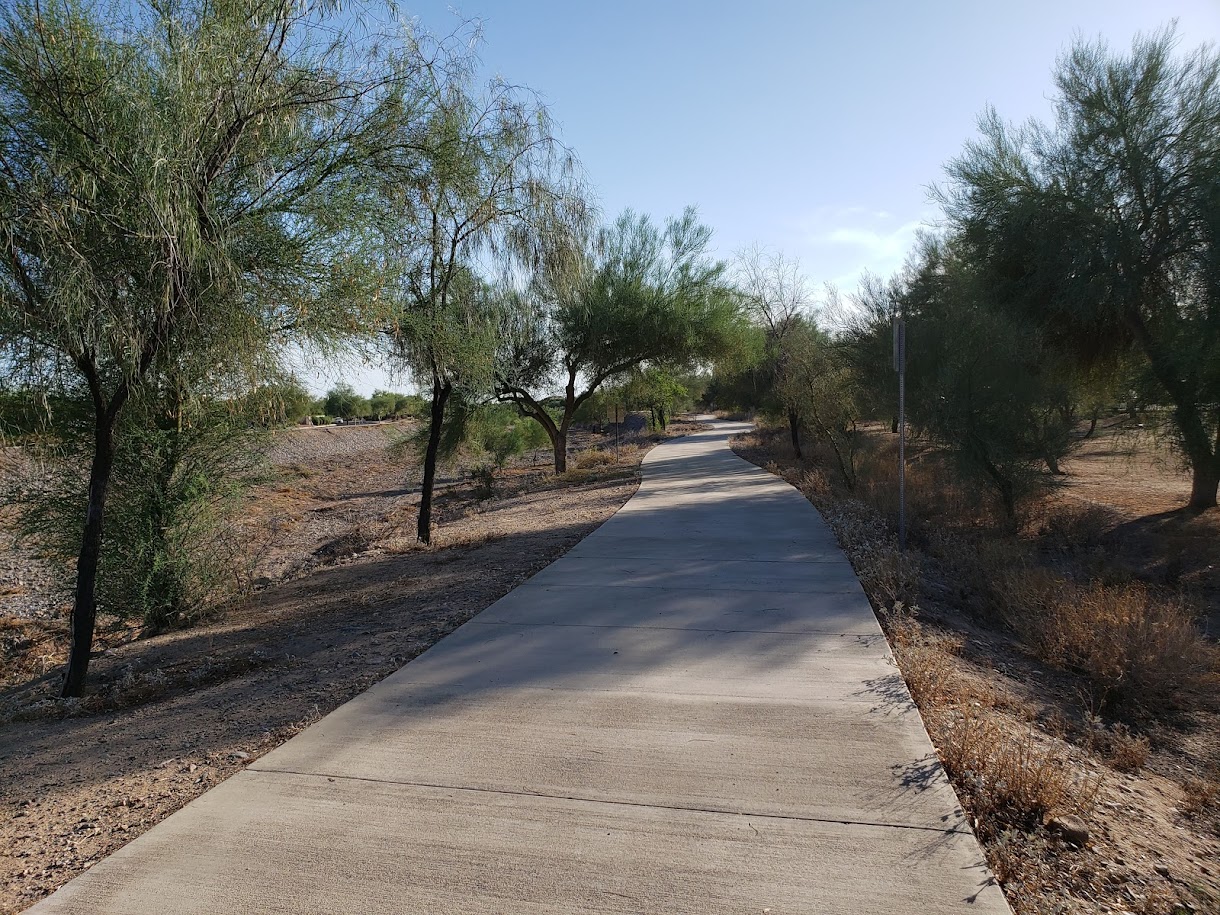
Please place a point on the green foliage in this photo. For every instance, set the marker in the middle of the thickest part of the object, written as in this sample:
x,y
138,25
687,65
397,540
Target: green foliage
x,y
343,401
982,383
1102,229
635,295
659,391
816,383
491,182
276,403
171,551
392,405
144,248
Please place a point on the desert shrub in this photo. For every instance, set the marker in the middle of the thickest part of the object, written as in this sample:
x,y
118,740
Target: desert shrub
x,y
171,550
1132,646
587,460
926,661
1009,780
889,576
1075,529
484,476
937,494
1122,750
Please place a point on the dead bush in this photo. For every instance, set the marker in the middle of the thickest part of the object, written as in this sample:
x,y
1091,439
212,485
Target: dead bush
x,y
813,484
1009,780
587,460
926,662
1073,529
1131,645
1122,750
1199,795
935,494
889,576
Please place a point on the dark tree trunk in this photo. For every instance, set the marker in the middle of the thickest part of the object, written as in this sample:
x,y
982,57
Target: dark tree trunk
x,y
1008,498
84,606
1205,465
794,429
440,396
1204,483
894,426
1052,464
1092,424
559,441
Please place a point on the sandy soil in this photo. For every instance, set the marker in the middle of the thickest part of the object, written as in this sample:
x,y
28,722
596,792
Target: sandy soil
x,y
346,598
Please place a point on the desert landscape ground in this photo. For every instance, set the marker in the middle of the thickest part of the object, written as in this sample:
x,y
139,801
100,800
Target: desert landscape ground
x,y
344,597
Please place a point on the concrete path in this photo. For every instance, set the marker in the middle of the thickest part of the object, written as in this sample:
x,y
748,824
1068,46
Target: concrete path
x,y
694,711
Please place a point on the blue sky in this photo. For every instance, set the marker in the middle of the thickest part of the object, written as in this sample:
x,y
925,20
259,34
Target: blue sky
x,y
812,128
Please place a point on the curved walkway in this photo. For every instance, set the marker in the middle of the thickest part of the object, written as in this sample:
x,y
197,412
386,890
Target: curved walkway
x,y
694,711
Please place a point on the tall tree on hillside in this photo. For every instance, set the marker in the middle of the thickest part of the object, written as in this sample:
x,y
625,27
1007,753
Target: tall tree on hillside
x,y
1104,228
637,294
493,187
174,179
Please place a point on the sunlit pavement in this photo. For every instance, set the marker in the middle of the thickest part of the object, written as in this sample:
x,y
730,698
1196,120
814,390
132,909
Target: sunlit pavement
x,y
694,711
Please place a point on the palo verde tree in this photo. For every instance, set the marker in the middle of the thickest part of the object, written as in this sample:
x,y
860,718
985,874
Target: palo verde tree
x,y
175,182
636,294
1103,229
978,382
817,383
478,181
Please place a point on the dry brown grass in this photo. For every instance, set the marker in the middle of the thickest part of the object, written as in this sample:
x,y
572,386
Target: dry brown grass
x,y
587,460
1010,779
935,493
1008,775
1132,646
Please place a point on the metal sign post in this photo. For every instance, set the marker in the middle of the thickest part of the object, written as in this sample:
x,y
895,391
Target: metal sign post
x,y
616,428
900,366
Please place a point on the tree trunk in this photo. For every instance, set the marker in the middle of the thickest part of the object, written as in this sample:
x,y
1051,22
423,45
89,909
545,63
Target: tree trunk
x,y
1204,484
1092,424
84,606
1205,465
559,441
1052,464
1008,498
440,396
794,429
894,425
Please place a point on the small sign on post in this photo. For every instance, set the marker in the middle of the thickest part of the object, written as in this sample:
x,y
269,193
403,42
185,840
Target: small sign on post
x,y
900,366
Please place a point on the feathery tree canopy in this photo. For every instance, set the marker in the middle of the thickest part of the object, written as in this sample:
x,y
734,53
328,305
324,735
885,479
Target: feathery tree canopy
x,y
635,294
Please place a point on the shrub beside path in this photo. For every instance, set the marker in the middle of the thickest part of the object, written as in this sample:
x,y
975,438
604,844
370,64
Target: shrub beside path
x,y
693,711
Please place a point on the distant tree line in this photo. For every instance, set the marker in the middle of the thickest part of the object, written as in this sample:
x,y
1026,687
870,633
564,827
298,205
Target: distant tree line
x,y
1077,269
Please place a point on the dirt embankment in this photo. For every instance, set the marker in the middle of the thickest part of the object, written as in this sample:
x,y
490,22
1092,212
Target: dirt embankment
x,y
346,598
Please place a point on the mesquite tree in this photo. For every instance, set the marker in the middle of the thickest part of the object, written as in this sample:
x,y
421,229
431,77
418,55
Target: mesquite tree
x,y
637,294
174,179
483,183
1103,229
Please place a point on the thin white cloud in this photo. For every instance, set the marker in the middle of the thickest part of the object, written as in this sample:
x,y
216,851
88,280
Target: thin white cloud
x,y
842,243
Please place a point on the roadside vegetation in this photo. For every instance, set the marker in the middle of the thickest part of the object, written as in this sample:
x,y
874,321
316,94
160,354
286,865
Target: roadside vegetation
x,y
191,193
1055,613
